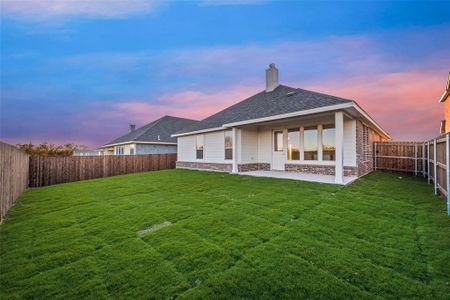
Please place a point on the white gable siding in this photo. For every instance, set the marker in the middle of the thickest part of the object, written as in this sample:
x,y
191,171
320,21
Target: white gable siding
x,y
265,146
186,148
350,143
214,150
248,144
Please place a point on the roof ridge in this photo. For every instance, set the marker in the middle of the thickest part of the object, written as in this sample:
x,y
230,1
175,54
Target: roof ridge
x,y
165,126
180,118
263,104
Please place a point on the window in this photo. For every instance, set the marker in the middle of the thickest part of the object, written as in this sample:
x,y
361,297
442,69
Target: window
x,y
310,143
228,144
278,141
328,142
365,145
119,150
131,151
199,146
293,144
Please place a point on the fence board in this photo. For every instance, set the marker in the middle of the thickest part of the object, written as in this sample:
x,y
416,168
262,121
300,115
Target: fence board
x,y
418,158
13,176
52,170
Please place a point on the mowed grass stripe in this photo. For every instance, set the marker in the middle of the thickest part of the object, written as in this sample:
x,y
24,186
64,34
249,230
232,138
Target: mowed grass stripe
x,y
384,236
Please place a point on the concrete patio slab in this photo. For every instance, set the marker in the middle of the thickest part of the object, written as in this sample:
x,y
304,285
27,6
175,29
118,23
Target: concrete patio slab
x,y
299,176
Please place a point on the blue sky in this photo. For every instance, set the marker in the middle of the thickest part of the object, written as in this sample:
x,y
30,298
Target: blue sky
x,y
81,72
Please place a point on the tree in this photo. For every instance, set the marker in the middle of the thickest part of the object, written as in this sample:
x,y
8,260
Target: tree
x,y
46,149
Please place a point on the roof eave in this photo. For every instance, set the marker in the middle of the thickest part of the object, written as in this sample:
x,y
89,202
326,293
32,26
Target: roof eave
x,y
294,114
271,118
444,96
197,131
137,142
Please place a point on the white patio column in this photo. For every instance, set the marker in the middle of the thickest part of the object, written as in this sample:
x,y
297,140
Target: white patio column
x,y
319,142
339,140
234,168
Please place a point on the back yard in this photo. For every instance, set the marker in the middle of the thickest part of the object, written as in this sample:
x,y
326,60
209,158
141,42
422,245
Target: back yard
x,y
226,236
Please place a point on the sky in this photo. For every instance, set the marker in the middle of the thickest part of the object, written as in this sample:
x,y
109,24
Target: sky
x,y
81,71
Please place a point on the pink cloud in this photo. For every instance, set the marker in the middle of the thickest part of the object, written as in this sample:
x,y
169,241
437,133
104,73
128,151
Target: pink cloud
x,y
400,93
108,120
48,9
404,103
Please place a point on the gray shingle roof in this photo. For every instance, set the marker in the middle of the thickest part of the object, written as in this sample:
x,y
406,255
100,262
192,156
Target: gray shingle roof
x,y
282,100
156,131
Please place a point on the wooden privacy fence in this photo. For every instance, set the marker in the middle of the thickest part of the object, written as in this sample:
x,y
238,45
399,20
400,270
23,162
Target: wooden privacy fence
x,y
430,159
52,170
13,176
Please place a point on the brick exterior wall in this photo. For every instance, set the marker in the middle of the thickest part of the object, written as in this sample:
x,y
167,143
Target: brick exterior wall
x,y
253,167
319,169
447,114
365,164
204,166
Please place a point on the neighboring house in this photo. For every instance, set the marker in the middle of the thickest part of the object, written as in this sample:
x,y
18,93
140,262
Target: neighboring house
x,y
286,129
445,124
79,152
153,138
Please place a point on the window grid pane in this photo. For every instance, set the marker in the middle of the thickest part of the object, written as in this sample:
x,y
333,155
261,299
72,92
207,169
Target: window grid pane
x,y
328,142
278,141
310,143
199,147
228,144
293,144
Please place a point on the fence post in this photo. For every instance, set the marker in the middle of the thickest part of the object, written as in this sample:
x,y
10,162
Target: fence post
x,y
435,166
423,160
428,162
447,169
415,159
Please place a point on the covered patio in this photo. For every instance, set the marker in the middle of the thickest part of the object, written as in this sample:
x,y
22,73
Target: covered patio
x,y
319,148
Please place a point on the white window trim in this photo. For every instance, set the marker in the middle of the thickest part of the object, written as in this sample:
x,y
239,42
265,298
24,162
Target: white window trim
x,y
319,160
224,146
195,148
117,150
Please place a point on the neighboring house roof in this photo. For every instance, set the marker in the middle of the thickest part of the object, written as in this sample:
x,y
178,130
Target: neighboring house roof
x,y
158,131
447,90
282,100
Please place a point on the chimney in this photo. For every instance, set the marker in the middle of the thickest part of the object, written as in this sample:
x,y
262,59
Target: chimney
x,y
271,78
132,127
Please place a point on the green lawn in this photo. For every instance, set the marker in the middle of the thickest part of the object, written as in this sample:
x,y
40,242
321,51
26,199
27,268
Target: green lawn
x,y
231,236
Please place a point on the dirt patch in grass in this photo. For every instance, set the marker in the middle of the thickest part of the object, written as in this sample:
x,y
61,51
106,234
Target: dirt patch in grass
x,y
154,228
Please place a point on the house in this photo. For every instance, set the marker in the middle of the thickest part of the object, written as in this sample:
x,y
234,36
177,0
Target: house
x,y
81,152
284,129
445,124
153,138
